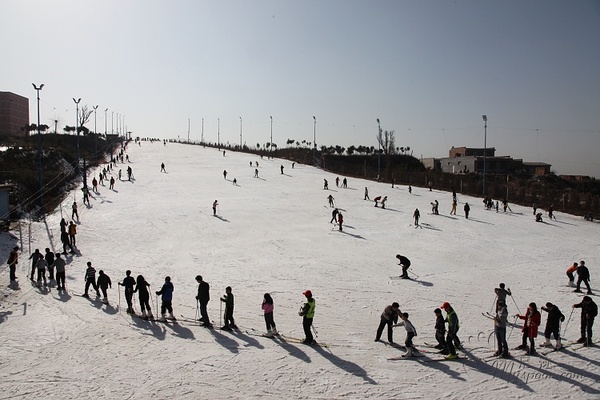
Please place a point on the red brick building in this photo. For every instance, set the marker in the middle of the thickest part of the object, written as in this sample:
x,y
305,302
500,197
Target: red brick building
x,y
14,114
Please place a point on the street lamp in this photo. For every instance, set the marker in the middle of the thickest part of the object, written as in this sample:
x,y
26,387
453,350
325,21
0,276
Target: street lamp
x,y
95,133
189,124
241,133
219,133
314,140
105,121
112,123
77,130
202,132
37,89
378,149
484,150
271,144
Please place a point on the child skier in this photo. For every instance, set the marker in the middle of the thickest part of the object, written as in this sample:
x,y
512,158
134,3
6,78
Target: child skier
x,y
440,331
411,332
267,307
167,297
228,300
307,312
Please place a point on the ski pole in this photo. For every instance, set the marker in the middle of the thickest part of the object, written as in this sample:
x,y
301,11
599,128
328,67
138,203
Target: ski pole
x,y
416,276
513,327
315,331
567,324
119,299
197,310
220,312
516,305
495,302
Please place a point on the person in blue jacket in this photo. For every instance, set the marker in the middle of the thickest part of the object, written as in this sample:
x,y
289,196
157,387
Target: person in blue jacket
x,y
167,297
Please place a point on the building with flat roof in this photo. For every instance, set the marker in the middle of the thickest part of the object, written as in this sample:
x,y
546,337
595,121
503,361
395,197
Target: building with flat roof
x,y
14,114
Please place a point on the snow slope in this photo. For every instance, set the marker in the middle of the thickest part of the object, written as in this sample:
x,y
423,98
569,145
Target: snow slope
x,y
272,234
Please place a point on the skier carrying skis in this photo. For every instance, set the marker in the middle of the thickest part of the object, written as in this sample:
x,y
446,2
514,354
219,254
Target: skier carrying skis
x,y
307,312
501,294
104,283
128,283
583,275
267,307
389,317
167,297
90,279
405,263
555,317
143,297
589,311
532,320
228,299
453,326
203,297
411,332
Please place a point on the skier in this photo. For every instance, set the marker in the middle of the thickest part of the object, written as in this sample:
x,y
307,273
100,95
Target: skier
x,y
383,202
367,194
440,331
551,212
162,167
532,320
167,297
538,217
453,326
234,182
49,257
90,279
72,233
409,189
13,260
141,288
267,307
86,196
411,332
325,185
59,264
501,294
340,220
104,283
281,168
256,172
307,312
416,216
589,311
112,183
467,208
570,271
345,183
337,181
453,210
95,184
500,323
203,297
405,263
228,299
583,275
334,215
128,283
376,200
129,173
389,317
434,207
34,257
555,317
41,272
331,201
224,174
63,225
214,206
74,212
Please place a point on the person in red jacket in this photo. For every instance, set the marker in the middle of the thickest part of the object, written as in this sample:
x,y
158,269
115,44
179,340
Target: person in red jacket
x,y
532,319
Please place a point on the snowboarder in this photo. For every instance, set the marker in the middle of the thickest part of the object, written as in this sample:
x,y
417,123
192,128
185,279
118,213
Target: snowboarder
x,y
167,297
34,257
570,274
334,215
589,311
500,323
162,167
501,294
307,312
141,288
228,299
416,216
59,264
203,297
104,283
331,201
267,307
376,200
452,340
90,279
411,332
389,317
214,206
583,275
440,331
405,263
128,283
367,194
532,320
467,208
555,317
13,260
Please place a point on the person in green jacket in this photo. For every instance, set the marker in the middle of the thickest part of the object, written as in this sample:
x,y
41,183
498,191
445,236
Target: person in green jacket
x,y
307,312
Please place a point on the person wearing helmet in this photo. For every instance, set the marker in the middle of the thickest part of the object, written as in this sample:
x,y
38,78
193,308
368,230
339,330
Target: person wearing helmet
x,y
453,325
307,312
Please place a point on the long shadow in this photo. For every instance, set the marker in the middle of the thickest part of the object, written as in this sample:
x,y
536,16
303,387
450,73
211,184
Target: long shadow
x,y
225,341
63,296
499,369
248,339
262,179
179,330
350,188
393,209
582,358
50,235
347,366
427,226
221,218
565,223
440,366
353,235
156,329
4,315
292,350
480,221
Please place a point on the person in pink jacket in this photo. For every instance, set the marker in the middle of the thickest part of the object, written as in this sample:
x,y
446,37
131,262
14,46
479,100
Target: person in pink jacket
x,y
268,306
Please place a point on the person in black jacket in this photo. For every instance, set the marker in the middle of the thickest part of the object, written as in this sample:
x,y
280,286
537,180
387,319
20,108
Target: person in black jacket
x,y
104,283
589,310
583,275
203,298
405,263
128,283
555,317
389,317
143,296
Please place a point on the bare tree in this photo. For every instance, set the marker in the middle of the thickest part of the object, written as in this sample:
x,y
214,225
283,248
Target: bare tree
x,y
387,142
84,115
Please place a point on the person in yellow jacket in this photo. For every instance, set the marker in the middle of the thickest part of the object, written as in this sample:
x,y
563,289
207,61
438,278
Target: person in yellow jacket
x,y
307,312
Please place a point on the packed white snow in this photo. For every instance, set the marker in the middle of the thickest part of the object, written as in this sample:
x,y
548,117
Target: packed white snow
x,y
273,234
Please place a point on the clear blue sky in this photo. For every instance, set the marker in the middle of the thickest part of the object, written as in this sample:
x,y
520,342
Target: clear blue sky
x,y
427,69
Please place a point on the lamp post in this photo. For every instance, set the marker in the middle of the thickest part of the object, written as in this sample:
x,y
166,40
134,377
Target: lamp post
x,y
202,131
37,89
77,131
219,133
124,131
379,148
314,140
241,132
271,144
484,150
105,121
189,123
112,123
95,133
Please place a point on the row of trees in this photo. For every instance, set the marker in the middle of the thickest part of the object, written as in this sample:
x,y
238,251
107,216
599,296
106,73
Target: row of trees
x,y
83,118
